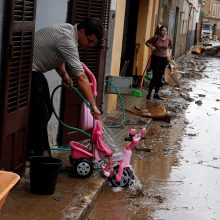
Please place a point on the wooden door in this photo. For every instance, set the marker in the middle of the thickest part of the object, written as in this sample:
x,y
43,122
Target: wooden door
x,y
18,41
129,46
94,58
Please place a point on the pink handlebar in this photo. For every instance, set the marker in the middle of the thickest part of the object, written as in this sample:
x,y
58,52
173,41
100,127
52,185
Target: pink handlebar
x,y
143,131
136,140
93,79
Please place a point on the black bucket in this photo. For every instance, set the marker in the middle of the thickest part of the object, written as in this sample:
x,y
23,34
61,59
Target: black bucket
x,y
43,174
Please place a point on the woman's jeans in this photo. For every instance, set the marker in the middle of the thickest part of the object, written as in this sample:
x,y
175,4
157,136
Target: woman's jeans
x,y
158,65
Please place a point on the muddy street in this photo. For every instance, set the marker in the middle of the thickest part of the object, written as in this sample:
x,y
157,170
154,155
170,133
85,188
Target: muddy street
x,y
178,165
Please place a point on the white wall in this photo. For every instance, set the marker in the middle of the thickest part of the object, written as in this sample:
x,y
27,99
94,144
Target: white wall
x,y
51,12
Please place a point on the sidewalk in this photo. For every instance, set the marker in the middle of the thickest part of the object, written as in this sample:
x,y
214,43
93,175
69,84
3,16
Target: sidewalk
x,y
73,198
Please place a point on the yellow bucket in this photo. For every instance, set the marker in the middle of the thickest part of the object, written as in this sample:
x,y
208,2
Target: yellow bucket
x,y
7,182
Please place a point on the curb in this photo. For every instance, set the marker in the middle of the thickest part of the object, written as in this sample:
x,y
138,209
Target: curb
x,y
87,208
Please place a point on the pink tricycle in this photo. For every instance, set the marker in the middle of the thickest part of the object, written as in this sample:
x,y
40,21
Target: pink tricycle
x,y
117,168
116,165
83,158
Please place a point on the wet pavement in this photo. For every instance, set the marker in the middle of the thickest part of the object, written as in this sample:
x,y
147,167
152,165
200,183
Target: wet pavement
x,y
180,174
177,166
72,199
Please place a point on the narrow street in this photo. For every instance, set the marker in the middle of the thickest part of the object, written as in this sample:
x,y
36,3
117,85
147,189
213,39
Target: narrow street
x,y
174,170
177,165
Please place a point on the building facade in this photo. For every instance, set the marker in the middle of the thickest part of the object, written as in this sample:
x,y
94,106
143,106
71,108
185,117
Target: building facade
x,y
128,24
211,13
182,18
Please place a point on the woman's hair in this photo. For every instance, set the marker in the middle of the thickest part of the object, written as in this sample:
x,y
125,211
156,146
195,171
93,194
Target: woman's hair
x,y
157,29
92,26
161,27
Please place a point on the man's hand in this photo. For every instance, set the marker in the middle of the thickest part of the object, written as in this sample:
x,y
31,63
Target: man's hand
x,y
85,88
63,74
67,80
96,113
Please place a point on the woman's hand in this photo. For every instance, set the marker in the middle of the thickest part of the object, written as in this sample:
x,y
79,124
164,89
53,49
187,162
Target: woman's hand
x,y
153,48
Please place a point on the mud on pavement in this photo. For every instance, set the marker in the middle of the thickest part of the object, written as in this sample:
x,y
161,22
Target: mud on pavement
x,y
160,153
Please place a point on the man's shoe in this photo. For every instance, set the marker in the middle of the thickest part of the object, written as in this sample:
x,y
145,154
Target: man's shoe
x,y
148,96
156,96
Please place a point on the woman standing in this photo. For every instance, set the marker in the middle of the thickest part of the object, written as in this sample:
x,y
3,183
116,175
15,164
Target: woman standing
x,y
160,44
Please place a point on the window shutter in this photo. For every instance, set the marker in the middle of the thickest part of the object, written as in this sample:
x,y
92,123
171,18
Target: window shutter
x,y
16,83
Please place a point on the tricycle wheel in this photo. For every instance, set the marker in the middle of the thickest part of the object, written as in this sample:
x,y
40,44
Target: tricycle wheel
x,y
82,167
127,176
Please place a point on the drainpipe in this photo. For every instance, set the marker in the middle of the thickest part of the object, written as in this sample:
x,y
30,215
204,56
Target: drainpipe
x,y
159,12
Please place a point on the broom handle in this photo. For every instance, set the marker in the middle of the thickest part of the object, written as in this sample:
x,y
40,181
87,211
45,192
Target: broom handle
x,y
143,74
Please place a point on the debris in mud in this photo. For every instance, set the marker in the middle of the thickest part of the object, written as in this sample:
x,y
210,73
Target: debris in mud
x,y
145,149
137,121
178,98
201,95
159,199
117,189
216,109
192,134
216,84
186,97
166,150
213,51
135,188
172,74
185,106
135,192
191,64
166,125
111,119
85,199
58,199
156,112
199,102
175,108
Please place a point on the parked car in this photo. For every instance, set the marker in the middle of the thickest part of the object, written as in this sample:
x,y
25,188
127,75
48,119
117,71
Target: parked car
x,y
207,31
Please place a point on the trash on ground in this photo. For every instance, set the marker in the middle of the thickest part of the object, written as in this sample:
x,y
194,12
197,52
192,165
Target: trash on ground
x,y
136,92
199,102
117,189
157,113
172,74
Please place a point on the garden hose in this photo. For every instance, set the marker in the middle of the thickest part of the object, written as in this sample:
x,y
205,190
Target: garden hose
x,y
61,122
75,90
122,105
